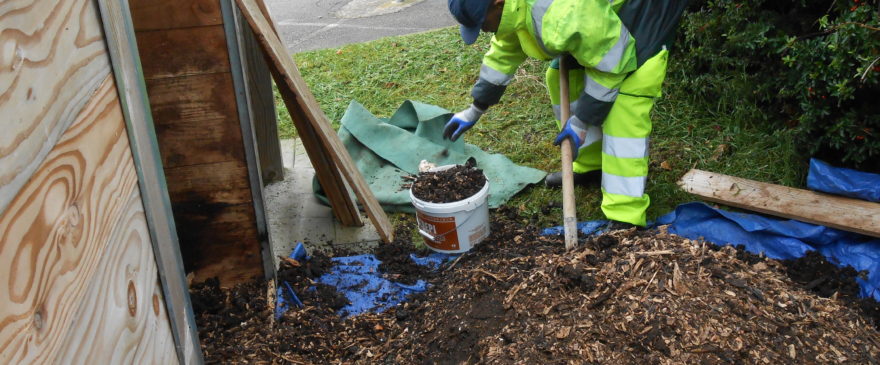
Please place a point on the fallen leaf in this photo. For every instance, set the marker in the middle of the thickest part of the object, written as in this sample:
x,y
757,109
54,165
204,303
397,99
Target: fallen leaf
x,y
666,165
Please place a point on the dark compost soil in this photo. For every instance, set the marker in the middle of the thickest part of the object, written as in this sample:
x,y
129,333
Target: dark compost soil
x,y
450,185
625,297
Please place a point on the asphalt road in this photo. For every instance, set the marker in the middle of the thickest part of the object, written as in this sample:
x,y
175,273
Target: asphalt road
x,y
316,24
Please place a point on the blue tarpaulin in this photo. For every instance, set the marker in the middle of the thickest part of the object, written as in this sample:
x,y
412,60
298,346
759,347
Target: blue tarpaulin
x,y
359,279
840,181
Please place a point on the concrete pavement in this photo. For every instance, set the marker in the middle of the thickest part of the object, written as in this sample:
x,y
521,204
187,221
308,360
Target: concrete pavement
x,y
317,24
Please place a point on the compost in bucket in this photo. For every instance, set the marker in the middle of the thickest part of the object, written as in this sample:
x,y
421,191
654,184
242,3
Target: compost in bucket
x,y
452,207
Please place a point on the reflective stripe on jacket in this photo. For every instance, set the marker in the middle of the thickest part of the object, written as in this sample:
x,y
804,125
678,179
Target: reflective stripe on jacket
x,y
609,38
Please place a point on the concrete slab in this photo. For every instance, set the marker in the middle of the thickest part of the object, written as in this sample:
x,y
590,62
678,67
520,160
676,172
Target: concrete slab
x,y
295,215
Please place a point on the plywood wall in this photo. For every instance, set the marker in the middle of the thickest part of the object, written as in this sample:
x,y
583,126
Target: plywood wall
x,y
189,82
79,281
80,277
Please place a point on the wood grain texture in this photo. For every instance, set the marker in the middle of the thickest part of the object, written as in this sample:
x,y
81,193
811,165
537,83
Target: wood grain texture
x,y
52,58
153,14
122,318
833,211
182,52
196,120
286,70
58,229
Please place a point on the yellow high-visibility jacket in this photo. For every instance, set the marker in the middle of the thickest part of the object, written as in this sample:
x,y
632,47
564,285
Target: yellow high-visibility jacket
x,y
609,38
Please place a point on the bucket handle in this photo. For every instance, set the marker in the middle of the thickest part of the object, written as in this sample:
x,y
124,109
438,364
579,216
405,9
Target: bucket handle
x,y
434,238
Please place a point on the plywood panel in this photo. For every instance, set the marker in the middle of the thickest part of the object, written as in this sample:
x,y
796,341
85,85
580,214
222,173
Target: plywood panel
x,y
153,14
196,120
181,52
122,318
58,228
52,58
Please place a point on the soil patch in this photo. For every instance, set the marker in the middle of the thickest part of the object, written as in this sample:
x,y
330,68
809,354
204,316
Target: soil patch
x,y
396,262
628,296
451,185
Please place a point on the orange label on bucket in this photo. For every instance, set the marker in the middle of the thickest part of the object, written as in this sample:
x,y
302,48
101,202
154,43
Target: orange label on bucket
x,y
443,230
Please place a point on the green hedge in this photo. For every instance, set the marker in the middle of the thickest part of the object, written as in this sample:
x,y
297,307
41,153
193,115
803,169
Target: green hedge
x,y
810,66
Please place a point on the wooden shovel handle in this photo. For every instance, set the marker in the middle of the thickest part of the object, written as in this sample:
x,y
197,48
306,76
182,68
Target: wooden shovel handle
x,y
569,213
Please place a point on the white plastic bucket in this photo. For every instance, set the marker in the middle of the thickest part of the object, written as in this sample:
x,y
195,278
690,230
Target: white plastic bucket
x,y
453,227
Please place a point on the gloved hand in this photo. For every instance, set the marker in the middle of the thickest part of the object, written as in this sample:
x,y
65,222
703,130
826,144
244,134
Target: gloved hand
x,y
462,121
574,129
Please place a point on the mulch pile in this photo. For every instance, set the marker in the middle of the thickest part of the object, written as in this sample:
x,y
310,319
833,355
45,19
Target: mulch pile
x,y
451,185
625,297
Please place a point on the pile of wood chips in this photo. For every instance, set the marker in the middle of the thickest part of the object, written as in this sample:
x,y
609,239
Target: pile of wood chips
x,y
624,297
627,297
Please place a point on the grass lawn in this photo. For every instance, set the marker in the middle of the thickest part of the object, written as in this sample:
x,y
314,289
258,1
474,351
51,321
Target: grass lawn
x,y
437,68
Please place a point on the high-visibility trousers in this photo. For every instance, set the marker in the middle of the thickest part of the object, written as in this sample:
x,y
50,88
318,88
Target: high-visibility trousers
x,y
620,146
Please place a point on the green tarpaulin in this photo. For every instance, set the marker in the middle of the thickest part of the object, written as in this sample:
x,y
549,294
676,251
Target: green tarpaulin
x,y
386,149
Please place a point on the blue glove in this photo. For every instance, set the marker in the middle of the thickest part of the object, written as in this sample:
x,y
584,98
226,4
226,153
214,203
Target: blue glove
x,y
461,122
575,130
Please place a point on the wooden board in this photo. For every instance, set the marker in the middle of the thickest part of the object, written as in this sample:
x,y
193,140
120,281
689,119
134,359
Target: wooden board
x,y
833,211
285,69
52,58
195,120
262,105
181,52
55,235
153,14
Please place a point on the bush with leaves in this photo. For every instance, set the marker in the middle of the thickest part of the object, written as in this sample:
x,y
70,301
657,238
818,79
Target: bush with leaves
x,y
809,66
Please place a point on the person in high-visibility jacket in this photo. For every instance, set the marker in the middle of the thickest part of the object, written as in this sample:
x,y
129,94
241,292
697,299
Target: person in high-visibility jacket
x,y
618,51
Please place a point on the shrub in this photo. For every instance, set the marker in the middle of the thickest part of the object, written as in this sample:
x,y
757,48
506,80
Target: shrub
x,y
810,66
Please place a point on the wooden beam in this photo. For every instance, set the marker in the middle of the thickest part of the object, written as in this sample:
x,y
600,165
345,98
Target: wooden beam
x,y
292,81
122,47
808,206
330,178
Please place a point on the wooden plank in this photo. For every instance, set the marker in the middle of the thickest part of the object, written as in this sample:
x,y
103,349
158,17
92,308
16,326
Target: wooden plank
x,y
122,318
305,101
122,46
183,52
57,230
330,178
52,58
153,14
233,24
193,114
262,101
808,206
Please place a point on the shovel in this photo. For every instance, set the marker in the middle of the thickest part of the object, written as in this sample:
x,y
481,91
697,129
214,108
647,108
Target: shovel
x,y
569,213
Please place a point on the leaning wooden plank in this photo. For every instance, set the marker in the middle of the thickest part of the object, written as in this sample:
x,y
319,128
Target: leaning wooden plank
x,y
842,213
306,101
344,207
